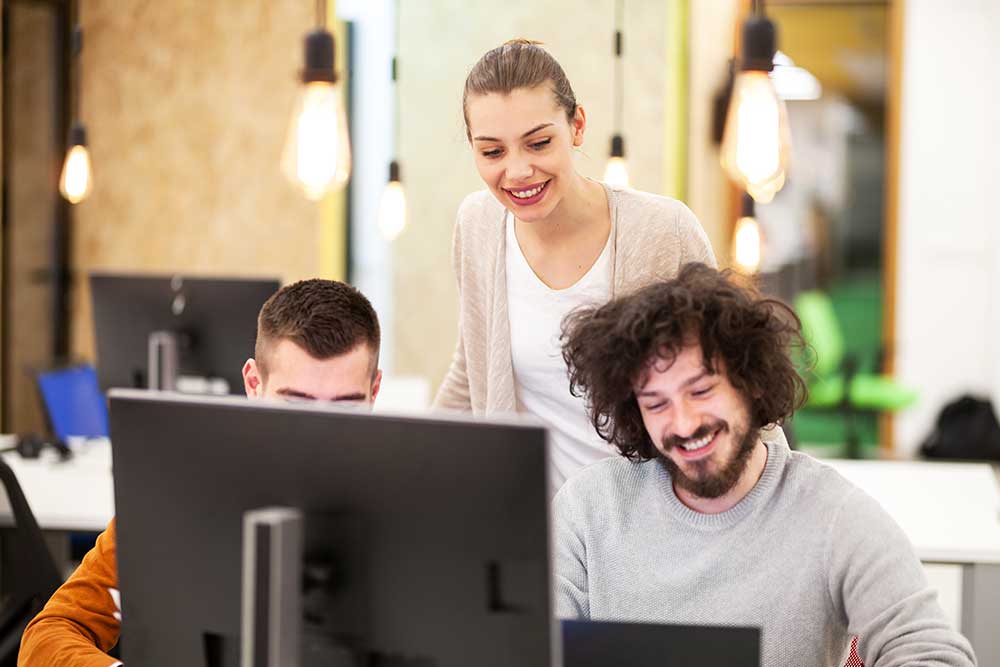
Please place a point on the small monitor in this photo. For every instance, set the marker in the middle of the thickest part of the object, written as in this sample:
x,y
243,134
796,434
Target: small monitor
x,y
612,644
425,538
213,320
74,404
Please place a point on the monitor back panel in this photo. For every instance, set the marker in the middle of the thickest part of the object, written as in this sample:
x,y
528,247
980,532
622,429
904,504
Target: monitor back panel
x,y
447,522
610,644
215,318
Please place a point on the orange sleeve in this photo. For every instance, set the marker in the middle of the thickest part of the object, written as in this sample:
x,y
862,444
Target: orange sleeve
x,y
77,625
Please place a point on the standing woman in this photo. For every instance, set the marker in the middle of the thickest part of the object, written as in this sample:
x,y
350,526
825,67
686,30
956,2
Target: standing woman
x,y
540,241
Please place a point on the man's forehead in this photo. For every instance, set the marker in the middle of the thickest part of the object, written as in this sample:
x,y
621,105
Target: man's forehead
x,y
683,366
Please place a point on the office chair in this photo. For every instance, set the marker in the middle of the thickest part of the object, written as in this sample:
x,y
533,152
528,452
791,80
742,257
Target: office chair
x,y
29,570
834,380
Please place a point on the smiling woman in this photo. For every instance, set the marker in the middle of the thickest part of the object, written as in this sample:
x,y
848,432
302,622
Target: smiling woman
x,y
541,241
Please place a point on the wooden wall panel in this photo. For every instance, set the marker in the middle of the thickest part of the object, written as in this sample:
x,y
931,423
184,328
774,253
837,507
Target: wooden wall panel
x,y
187,104
31,202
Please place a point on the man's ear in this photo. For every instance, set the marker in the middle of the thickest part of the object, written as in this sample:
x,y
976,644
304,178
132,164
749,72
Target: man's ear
x,y
376,384
252,381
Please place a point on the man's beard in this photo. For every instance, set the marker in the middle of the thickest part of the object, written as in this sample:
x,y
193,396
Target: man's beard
x,y
705,484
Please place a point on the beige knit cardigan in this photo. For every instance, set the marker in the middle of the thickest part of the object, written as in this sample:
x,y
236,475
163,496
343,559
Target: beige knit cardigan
x,y
651,238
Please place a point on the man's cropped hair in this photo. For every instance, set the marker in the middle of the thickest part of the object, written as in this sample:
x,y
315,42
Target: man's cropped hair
x,y
326,318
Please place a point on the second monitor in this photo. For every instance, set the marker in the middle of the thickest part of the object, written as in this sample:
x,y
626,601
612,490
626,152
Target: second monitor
x,y
150,330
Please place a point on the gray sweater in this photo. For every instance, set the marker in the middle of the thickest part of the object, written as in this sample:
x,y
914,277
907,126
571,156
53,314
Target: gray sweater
x,y
806,556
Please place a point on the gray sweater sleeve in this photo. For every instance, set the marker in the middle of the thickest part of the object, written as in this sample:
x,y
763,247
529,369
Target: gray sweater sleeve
x,y
570,578
879,586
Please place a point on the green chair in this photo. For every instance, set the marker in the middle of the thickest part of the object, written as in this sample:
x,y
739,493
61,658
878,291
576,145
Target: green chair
x,y
834,380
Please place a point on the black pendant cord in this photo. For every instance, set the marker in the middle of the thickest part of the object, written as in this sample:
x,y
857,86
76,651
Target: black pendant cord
x,y
321,14
76,46
619,78
396,121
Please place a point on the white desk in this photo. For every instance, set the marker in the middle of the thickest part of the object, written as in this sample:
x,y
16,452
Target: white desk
x,y
951,513
73,495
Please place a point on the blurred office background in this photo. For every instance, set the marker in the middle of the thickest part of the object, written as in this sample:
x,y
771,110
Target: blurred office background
x,y
886,210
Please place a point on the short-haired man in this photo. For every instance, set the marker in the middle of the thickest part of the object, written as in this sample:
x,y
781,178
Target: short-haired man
x,y
316,340
700,520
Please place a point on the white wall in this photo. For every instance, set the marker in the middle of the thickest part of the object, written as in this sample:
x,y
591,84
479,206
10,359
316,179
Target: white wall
x,y
993,143
948,281
373,106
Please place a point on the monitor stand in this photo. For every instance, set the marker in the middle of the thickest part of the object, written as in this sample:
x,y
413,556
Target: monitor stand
x,y
272,593
294,612
162,361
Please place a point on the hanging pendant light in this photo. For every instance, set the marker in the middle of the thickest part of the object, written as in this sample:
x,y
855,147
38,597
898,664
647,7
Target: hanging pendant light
x,y
747,239
317,154
756,142
76,180
616,171
392,205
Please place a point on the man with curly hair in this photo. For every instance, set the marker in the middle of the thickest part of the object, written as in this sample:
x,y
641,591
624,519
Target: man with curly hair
x,y
707,518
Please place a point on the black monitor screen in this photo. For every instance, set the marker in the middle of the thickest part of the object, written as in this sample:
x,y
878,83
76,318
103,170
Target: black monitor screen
x,y
214,319
613,644
438,528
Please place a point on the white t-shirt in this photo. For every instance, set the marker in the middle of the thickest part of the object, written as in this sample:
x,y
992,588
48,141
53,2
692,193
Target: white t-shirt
x,y
541,379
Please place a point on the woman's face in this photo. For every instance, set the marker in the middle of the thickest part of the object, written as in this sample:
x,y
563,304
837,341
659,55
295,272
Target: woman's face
x,y
522,144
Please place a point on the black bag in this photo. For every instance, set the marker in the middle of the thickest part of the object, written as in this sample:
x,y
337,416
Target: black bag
x,y
966,429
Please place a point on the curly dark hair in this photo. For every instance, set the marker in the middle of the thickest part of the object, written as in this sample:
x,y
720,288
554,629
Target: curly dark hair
x,y
608,349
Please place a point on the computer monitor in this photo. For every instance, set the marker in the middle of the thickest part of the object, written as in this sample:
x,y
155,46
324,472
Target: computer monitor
x,y
213,322
613,644
437,526
74,405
